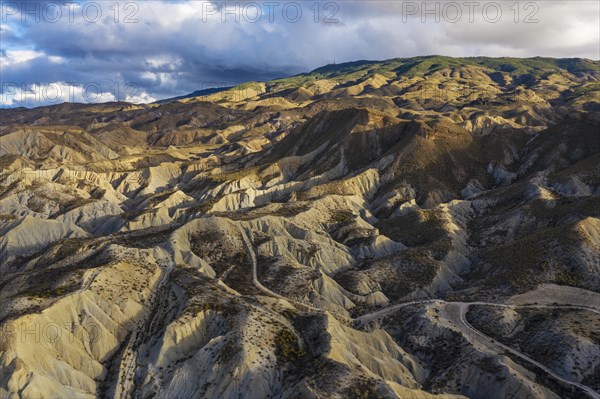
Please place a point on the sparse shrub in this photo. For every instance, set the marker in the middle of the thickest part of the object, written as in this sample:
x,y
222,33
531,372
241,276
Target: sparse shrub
x,y
287,346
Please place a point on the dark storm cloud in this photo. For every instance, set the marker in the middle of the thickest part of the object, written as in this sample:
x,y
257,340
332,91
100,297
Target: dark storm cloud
x,y
178,47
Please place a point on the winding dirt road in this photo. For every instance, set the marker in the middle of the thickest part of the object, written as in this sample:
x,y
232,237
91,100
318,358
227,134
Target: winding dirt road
x,y
491,343
126,378
262,288
454,312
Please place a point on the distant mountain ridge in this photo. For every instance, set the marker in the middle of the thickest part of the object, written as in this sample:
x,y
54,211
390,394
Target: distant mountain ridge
x,y
197,93
418,66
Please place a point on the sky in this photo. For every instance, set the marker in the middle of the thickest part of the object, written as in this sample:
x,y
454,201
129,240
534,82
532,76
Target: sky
x,y
142,51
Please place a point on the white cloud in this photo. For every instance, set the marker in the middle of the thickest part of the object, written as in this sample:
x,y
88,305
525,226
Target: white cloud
x,y
56,59
142,98
175,47
12,57
36,95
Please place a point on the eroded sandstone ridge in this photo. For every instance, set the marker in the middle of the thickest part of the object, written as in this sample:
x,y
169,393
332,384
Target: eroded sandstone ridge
x,y
414,228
